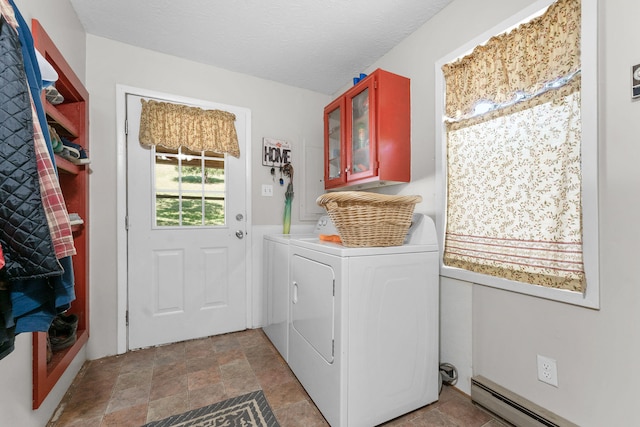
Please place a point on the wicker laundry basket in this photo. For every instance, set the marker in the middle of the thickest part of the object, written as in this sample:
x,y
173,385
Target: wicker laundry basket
x,y
369,219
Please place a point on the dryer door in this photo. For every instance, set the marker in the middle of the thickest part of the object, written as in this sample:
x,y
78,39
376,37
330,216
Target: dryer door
x,y
312,304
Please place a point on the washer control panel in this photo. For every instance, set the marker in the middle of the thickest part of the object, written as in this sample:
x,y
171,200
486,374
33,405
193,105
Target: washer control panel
x,y
325,226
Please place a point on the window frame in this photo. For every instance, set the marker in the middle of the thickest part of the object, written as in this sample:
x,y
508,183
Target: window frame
x,y
589,151
203,156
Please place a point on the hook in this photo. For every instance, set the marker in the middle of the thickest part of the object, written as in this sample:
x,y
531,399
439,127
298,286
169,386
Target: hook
x,y
288,170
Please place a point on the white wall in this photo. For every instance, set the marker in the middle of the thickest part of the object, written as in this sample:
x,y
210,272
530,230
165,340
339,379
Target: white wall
x,y
60,21
596,351
63,26
278,111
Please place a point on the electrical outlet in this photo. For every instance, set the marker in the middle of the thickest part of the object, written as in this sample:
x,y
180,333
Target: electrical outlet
x,y
547,370
267,190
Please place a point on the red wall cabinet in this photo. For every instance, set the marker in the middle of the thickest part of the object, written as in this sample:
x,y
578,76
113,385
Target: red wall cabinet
x,y
367,134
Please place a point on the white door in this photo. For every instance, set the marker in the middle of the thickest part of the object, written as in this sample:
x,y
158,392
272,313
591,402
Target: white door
x,y
186,248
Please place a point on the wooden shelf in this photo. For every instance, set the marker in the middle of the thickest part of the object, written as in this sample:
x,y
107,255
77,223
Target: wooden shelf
x,y
70,120
60,121
48,374
77,228
65,165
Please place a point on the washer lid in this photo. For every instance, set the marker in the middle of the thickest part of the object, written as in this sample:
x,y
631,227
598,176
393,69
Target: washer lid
x,y
337,249
286,238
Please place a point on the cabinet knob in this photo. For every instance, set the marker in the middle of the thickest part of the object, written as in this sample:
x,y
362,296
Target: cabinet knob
x,y
346,170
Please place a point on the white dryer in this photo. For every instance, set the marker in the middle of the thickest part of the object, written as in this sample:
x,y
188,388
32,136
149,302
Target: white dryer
x,y
363,327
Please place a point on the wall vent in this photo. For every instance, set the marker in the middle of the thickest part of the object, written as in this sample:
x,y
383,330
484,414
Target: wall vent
x,y
511,407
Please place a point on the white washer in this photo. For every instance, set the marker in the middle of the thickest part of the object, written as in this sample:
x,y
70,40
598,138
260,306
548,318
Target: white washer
x,y
363,328
276,290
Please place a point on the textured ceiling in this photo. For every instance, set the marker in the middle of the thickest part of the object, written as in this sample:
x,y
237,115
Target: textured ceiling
x,y
313,44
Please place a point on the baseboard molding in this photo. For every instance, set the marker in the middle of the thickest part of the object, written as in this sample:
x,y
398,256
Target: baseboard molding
x,y
511,407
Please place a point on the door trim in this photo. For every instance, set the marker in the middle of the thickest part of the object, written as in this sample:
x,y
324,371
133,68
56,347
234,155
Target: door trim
x,y
121,204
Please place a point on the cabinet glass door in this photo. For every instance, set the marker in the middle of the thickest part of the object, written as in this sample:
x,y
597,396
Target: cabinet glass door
x,y
334,135
335,152
360,133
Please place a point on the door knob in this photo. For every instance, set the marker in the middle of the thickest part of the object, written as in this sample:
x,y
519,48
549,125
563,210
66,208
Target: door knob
x,y
239,234
239,217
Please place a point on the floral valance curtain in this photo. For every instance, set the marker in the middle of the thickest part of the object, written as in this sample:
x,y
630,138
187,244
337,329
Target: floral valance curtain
x,y
174,125
521,61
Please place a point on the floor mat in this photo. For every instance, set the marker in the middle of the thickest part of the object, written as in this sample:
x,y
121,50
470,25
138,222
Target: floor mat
x,y
249,410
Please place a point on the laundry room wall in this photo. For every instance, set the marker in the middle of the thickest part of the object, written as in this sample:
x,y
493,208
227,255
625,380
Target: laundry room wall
x,y
60,21
496,333
277,111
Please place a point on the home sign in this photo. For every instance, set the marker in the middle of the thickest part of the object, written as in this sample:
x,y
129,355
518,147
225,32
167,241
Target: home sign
x,y
275,152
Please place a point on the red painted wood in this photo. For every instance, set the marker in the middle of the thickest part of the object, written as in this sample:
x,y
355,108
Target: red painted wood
x,y
366,84
61,119
390,136
71,120
342,179
66,166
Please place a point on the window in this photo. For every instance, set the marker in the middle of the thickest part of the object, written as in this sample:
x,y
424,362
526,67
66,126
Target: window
x,y
517,165
190,145
189,188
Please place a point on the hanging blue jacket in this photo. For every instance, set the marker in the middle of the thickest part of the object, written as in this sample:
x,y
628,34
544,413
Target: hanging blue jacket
x,y
32,69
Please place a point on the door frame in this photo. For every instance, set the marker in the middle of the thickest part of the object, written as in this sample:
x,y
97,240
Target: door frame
x,y
121,203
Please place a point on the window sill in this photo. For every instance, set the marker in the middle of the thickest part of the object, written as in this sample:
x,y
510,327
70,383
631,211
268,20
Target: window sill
x,y
588,299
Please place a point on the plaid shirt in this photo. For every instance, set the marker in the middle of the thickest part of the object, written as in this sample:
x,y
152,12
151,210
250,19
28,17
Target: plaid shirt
x,y
7,11
52,199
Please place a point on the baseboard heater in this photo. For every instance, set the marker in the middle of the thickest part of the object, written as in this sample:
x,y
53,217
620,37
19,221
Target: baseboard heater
x,y
511,407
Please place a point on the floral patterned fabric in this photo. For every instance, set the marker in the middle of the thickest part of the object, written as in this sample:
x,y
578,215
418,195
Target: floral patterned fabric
x,y
523,60
514,192
174,125
514,173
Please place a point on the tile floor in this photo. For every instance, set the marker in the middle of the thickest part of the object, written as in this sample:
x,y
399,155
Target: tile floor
x,y
151,384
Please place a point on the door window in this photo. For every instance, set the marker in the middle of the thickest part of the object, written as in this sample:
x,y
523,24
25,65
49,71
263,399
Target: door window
x,y
189,188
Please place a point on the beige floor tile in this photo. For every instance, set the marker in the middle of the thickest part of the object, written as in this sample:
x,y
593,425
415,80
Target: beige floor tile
x,y
206,396
152,384
168,406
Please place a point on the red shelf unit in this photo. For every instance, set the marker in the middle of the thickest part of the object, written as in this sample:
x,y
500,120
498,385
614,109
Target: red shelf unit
x,y
71,120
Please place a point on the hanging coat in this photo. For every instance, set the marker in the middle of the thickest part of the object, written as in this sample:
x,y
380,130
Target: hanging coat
x,y
24,231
